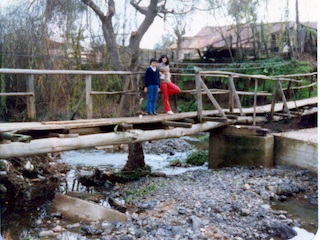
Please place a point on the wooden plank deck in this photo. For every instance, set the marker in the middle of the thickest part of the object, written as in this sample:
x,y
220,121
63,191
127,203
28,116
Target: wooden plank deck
x,y
20,127
50,143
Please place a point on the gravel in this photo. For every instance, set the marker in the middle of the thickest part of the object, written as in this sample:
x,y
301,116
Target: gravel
x,y
229,203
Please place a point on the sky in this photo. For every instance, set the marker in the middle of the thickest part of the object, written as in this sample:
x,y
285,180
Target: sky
x,y
274,12
309,11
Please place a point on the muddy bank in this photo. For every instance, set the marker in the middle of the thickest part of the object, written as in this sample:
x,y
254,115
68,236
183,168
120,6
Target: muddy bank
x,y
26,182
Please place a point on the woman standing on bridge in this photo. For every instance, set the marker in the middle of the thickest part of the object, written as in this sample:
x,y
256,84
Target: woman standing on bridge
x,y
167,87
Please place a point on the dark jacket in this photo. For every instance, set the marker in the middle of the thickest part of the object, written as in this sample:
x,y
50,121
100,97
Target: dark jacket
x,y
151,77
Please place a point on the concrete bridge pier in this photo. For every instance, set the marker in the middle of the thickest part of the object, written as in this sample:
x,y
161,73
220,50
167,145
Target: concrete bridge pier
x,y
240,145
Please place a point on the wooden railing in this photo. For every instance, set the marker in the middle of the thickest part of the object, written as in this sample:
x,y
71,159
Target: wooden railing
x,y
31,111
234,94
200,88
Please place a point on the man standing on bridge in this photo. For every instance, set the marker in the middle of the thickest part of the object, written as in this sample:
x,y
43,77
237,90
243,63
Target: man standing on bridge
x,y
151,86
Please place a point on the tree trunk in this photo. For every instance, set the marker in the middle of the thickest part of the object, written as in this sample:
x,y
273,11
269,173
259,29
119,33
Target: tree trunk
x,y
136,157
299,47
264,40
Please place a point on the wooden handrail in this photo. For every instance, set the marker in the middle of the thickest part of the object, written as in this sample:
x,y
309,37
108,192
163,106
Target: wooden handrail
x,y
61,72
200,87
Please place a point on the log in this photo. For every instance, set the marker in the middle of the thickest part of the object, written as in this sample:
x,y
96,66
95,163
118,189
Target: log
x,y
81,210
51,145
232,116
177,124
281,114
60,135
249,119
189,120
15,137
215,119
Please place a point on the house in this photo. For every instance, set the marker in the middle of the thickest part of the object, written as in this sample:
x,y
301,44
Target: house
x,y
251,40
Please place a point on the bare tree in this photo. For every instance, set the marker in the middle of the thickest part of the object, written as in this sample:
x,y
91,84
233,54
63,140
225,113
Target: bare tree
x,y
299,48
155,8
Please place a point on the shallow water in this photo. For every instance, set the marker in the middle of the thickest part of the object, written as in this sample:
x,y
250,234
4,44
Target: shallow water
x,y
300,208
303,234
104,160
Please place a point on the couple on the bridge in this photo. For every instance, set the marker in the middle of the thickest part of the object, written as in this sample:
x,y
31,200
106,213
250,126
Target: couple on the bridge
x,y
158,74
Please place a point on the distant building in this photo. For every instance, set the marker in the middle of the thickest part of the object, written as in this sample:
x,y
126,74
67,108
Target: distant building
x,y
214,43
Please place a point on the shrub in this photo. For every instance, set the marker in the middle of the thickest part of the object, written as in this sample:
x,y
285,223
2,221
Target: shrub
x,y
197,158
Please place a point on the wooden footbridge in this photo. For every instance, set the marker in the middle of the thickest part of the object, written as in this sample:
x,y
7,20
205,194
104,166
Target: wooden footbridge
x,y
30,138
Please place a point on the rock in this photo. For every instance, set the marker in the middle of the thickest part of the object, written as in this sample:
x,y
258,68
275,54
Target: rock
x,y
283,231
91,230
181,210
49,233
176,230
57,229
70,226
3,189
28,166
264,194
168,146
4,164
246,186
117,205
196,223
158,174
56,214
244,212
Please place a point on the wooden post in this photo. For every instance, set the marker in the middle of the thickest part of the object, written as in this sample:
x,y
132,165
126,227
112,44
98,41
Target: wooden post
x,y
274,99
255,100
31,107
284,100
123,97
213,100
88,97
235,94
199,96
231,99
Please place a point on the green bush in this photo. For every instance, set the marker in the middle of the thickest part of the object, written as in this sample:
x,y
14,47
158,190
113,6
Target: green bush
x,y
197,158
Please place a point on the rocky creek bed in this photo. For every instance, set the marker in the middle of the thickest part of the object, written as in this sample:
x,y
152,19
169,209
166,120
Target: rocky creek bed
x,y
227,203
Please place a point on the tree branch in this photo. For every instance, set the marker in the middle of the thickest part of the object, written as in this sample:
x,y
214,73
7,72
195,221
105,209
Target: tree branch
x,y
142,10
95,8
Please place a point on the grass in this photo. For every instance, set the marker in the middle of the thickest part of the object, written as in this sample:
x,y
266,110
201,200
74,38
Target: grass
x,y
140,192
